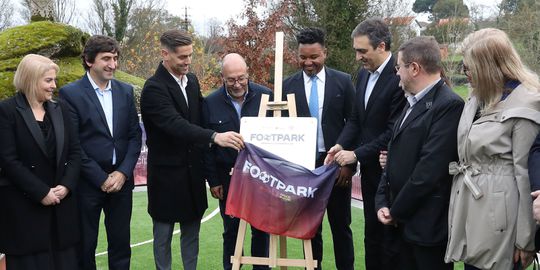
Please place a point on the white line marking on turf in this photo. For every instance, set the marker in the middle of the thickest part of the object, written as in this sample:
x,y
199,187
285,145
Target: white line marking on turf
x,y
205,219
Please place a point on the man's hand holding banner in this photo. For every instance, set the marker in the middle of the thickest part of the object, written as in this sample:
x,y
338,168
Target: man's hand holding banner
x,y
278,196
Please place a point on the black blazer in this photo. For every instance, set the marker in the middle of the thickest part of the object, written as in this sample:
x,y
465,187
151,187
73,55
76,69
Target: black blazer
x,y
416,184
97,142
176,140
220,115
534,177
27,176
534,164
338,98
369,128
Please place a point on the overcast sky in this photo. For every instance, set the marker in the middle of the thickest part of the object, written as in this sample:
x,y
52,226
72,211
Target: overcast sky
x,y
201,12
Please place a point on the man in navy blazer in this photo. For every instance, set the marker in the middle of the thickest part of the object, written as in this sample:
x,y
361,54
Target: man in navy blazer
x,y
104,112
414,191
377,104
222,110
326,94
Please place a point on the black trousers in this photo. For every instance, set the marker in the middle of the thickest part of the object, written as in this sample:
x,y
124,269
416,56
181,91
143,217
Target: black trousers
x,y
48,260
117,209
259,239
339,217
415,257
380,241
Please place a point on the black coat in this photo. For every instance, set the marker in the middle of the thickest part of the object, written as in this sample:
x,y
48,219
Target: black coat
x,y
534,177
220,115
176,141
27,175
338,98
416,184
369,129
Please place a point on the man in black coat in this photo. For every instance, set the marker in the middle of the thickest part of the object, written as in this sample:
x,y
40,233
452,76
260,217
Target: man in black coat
x,y
222,110
377,104
414,191
326,94
171,105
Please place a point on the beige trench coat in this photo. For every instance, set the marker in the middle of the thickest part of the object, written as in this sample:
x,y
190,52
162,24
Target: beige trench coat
x,y
490,210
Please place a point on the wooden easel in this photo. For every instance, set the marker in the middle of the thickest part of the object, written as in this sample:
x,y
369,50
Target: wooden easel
x,y
273,260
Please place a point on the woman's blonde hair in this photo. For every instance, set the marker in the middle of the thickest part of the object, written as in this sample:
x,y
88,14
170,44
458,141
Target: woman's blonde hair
x,y
30,70
492,60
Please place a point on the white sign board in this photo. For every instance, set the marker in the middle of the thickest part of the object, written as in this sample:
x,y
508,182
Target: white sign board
x,y
292,138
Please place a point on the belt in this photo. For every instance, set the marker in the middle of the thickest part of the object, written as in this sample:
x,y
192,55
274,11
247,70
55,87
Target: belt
x,y
455,168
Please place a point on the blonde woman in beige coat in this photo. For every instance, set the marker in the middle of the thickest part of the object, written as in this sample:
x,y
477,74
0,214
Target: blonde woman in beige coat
x,y
490,217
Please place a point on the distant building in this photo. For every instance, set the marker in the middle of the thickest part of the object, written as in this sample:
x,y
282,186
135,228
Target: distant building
x,y
446,21
406,25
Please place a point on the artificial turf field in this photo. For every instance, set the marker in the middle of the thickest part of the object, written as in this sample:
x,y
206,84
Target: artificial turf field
x,y
210,253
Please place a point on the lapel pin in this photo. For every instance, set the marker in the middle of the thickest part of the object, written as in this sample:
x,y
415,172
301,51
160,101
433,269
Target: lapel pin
x,y
428,105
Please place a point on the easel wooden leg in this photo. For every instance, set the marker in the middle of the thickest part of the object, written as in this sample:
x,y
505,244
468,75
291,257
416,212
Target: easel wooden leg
x,y
283,249
235,260
272,250
310,263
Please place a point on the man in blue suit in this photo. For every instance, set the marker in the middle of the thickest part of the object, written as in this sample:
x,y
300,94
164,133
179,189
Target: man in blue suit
x,y
103,110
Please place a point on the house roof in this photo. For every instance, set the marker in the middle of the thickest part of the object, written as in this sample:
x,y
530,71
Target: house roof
x,y
399,21
448,20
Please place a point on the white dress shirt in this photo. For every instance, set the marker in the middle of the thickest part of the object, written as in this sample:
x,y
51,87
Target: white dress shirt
x,y
182,83
105,99
372,80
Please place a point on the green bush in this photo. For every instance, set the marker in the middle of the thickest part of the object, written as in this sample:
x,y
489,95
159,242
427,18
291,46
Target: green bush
x,y
53,40
60,42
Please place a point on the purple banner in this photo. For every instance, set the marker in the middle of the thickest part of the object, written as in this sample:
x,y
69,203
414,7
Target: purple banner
x,y
277,196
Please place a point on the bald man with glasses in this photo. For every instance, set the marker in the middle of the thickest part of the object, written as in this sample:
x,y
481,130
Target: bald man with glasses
x,y
222,110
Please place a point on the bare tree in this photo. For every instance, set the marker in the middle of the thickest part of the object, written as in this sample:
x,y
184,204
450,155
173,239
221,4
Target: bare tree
x,y
25,12
98,18
215,34
64,10
112,17
6,14
390,8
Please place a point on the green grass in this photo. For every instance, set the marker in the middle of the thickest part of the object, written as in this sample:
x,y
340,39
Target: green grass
x,y
211,241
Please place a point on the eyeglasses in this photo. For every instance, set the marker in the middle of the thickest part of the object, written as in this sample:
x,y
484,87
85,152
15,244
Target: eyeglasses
x,y
466,71
240,80
405,66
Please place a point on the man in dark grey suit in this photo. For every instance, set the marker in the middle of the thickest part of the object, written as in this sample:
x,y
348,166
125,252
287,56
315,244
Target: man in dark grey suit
x,y
414,191
377,104
326,94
